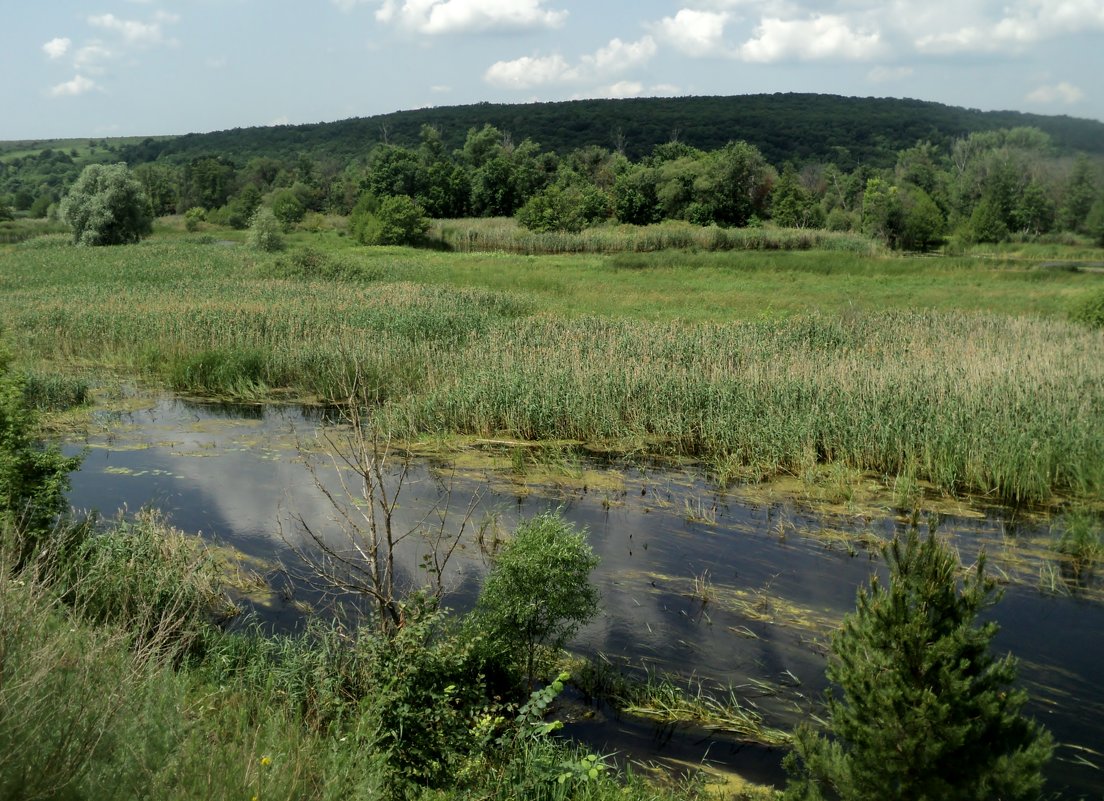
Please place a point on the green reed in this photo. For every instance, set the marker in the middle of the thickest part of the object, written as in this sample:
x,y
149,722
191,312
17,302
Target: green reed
x,y
1011,408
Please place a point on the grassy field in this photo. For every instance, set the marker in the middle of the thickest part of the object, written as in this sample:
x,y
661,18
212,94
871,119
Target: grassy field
x,y
961,371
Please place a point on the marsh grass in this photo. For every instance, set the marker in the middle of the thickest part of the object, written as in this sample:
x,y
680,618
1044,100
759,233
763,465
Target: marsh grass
x,y
1009,408
505,234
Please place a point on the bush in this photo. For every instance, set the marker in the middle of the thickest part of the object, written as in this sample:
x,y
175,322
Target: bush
x,y
558,208
396,220
1090,312
33,478
264,232
538,592
106,206
193,217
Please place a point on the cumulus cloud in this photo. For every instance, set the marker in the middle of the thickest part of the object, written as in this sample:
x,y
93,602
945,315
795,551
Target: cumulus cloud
x,y
1021,23
464,16
71,88
529,71
824,36
693,31
1062,92
132,31
57,47
623,89
91,56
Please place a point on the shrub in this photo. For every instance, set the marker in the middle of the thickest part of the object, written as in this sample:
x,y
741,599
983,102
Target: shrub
x,y
538,592
1091,311
193,217
106,206
264,231
287,208
396,220
33,478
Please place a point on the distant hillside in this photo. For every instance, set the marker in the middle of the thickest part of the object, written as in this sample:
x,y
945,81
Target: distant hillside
x,y
796,127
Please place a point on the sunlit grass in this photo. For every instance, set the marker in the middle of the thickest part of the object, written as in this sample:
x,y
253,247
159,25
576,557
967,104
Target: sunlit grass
x,y
764,374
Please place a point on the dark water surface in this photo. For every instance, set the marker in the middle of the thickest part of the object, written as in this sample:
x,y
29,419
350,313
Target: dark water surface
x,y
774,582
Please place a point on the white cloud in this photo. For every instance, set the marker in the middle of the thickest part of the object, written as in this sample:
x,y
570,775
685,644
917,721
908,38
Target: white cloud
x,y
623,89
824,36
889,74
77,86
91,56
619,56
1062,92
57,47
615,58
528,71
694,32
463,16
133,31
1022,23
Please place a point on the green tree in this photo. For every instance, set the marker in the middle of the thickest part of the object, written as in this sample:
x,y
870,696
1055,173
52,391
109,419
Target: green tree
x,y
538,592
287,208
881,211
5,210
1079,196
1094,223
564,208
922,222
790,205
927,712
106,206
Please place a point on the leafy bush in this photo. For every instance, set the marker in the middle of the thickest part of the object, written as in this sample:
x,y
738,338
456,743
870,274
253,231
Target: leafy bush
x,y
107,206
1090,312
193,217
287,208
264,231
538,592
395,220
33,478
564,208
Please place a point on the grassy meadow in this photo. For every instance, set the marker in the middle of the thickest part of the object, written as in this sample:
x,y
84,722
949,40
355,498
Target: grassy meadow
x,y
962,371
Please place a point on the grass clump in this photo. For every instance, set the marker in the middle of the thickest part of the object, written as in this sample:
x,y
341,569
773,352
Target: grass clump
x,y
1090,311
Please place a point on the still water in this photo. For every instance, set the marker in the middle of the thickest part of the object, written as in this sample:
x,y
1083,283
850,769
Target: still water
x,y
720,589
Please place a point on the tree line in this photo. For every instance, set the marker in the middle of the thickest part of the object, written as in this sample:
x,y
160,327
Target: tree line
x,y
985,187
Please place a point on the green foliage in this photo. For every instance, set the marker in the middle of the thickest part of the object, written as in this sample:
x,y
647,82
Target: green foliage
x,y
287,208
193,217
926,710
1094,223
33,478
1090,311
106,206
564,208
264,231
6,211
987,222
538,592
395,220
922,222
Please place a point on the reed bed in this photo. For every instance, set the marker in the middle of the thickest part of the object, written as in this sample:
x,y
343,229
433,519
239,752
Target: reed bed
x,y
505,234
1010,408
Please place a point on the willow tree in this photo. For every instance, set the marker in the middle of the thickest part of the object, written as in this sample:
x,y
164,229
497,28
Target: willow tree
x,y
107,206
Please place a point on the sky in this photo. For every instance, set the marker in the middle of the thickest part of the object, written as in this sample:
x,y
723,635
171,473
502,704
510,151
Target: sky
x,y
147,67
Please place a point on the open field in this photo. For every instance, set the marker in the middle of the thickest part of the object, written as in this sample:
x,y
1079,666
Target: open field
x,y
963,373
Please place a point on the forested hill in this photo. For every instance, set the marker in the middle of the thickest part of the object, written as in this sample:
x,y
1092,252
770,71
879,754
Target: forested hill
x,y
786,127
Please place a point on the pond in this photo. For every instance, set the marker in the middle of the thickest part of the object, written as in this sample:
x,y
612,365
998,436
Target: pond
x,y
723,589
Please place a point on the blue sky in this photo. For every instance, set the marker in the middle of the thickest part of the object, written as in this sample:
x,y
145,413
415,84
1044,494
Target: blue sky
x,y
143,67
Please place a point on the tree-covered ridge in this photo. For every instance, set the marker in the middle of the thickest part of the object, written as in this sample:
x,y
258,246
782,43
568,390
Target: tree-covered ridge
x,y
845,131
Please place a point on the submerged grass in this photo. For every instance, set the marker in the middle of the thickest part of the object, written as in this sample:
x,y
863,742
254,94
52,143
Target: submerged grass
x,y
1011,408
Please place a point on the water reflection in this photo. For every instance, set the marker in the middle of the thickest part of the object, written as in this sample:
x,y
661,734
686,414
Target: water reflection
x,y
694,581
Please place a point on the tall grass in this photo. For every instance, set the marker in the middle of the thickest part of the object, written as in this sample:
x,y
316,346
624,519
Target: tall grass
x,y
1011,408
504,234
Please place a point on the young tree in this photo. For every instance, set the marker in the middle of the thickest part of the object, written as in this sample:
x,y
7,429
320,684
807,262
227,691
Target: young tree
x,y
927,712
539,593
106,206
264,231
